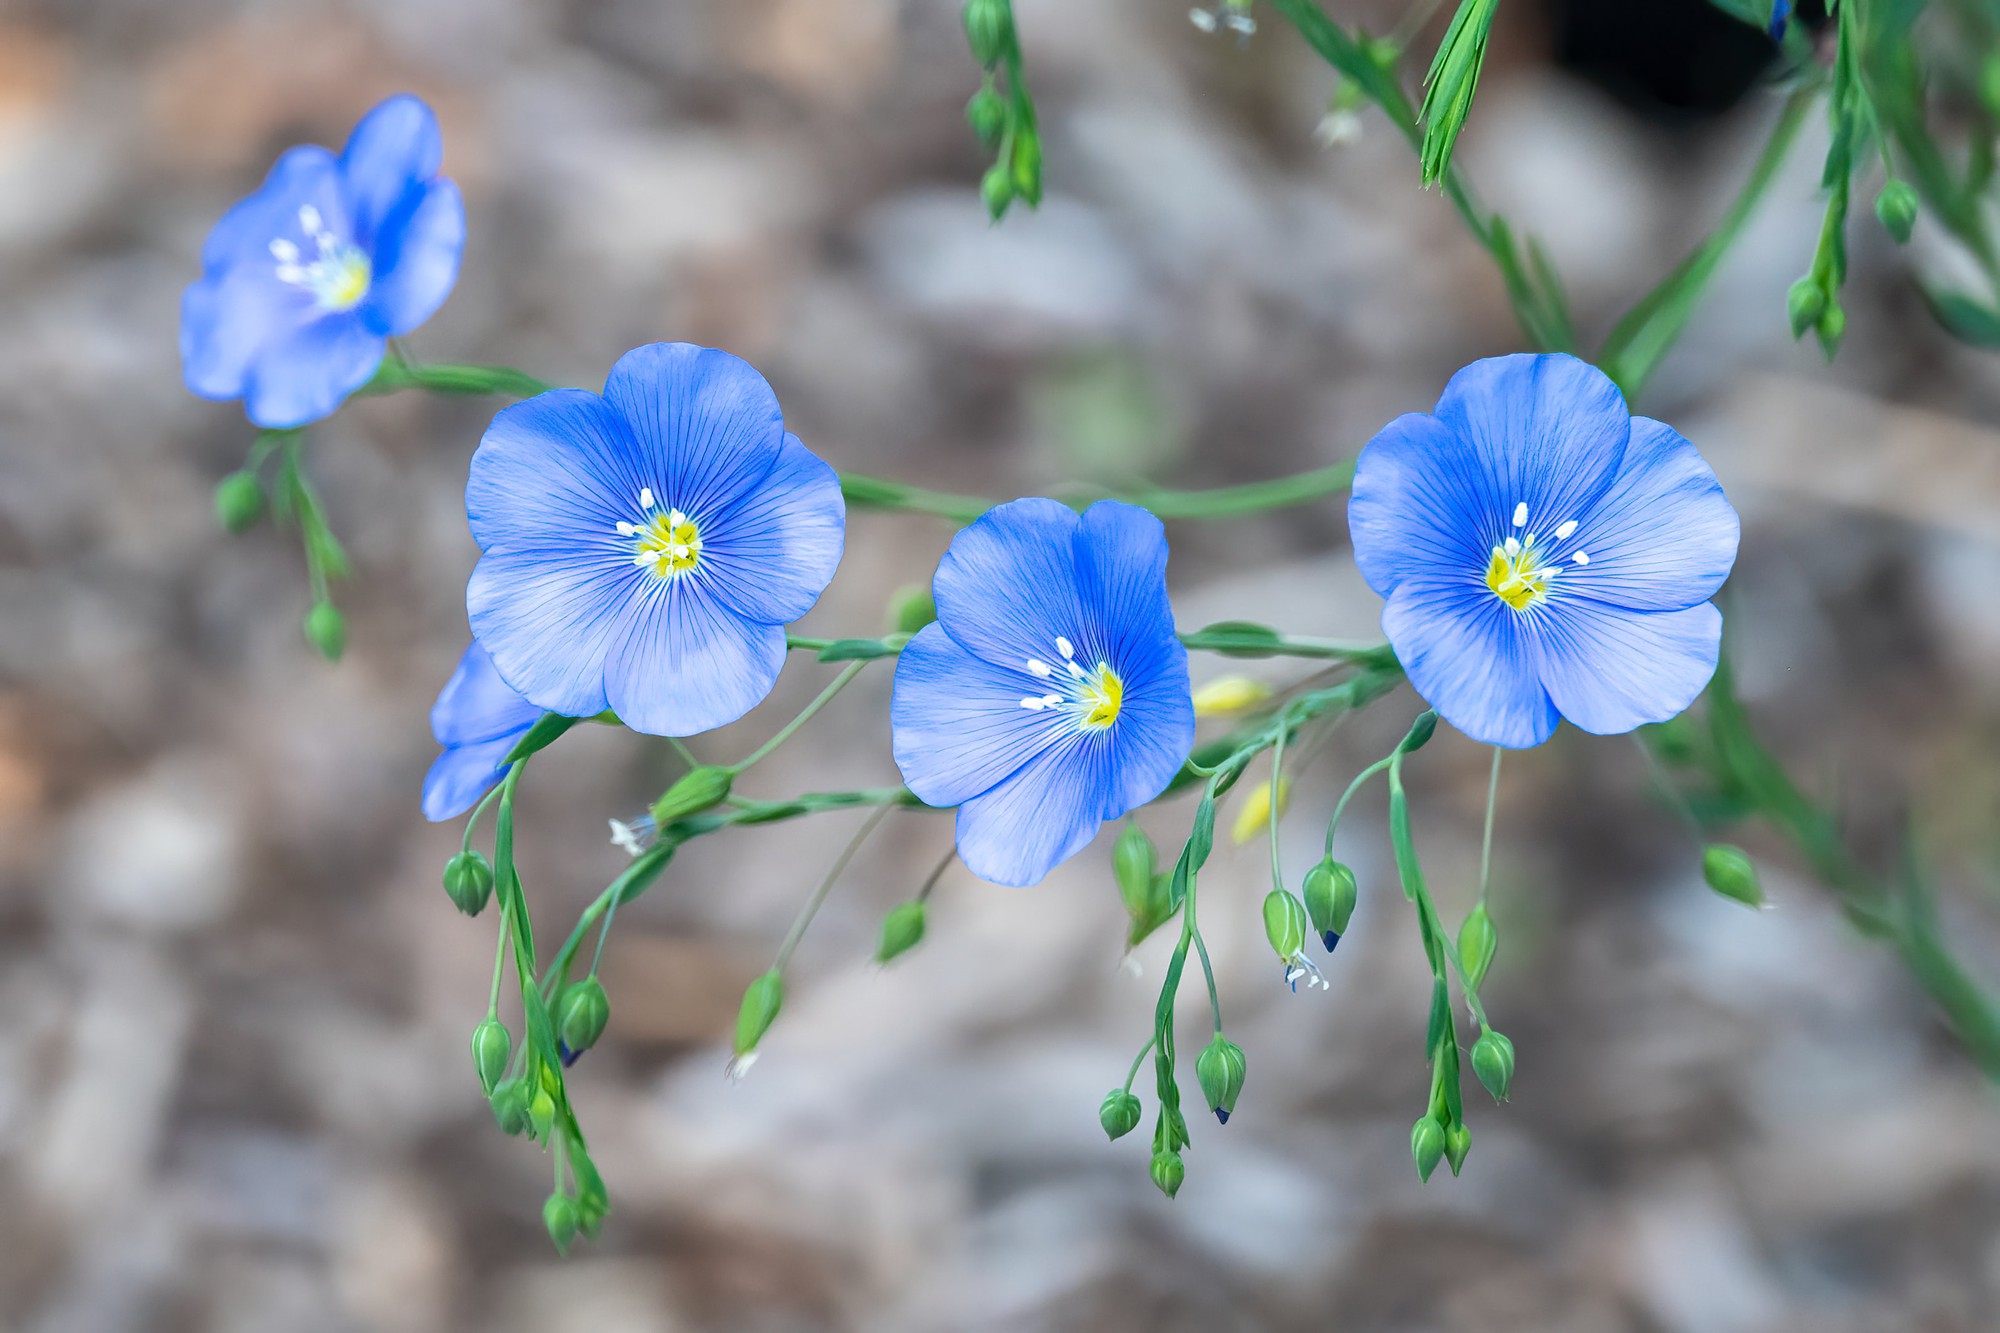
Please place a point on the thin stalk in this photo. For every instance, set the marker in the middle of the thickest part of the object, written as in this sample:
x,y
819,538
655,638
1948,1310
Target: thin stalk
x,y
937,873
811,909
839,683
1486,839
499,966
1138,1060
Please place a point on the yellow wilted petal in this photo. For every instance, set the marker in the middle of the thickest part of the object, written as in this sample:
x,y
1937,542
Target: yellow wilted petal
x,y
1229,694
1256,811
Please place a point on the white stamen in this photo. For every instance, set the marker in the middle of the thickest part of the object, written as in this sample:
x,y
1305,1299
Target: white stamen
x,y
1034,703
1075,671
1513,545
1521,514
1037,667
738,1066
644,558
680,550
1064,647
625,529
309,220
1202,19
675,518
1563,532
1581,557
284,251
645,497
1052,699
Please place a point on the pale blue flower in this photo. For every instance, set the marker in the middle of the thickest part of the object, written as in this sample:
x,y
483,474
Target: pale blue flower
x,y
478,719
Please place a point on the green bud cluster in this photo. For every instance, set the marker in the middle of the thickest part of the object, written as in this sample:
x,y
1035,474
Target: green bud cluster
x,y
1003,122
1896,209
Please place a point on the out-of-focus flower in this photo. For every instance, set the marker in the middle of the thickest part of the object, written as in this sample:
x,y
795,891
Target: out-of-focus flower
x,y
478,719
1544,553
1051,693
1781,13
304,282
644,550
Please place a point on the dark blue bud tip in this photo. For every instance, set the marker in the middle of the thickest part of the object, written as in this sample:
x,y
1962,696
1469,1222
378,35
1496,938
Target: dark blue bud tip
x,y
1780,12
1330,938
1221,1116
568,1056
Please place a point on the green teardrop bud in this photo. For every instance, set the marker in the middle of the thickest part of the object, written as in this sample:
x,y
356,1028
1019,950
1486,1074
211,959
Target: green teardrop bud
x,y
1477,941
1493,1062
541,1114
1220,1069
239,501
987,114
1118,1113
1804,304
902,930
761,1002
1027,163
491,1045
510,1105
996,187
1731,873
1420,732
988,26
695,791
1285,923
1330,895
582,1010
1426,1145
468,879
1832,325
559,1215
912,608
1896,207
326,630
1133,861
1457,1143
1168,1172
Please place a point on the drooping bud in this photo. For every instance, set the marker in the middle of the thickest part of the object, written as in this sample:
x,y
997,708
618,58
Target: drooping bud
x,y
1118,1113
326,630
1832,325
468,879
582,1010
911,608
988,27
1426,1145
1493,1062
239,501
1285,924
1896,206
1133,861
987,114
1457,1143
1804,304
1420,732
1220,1069
541,1114
761,1002
695,791
996,187
1477,941
1731,873
1330,894
1027,164
1168,1172
510,1105
559,1215
491,1045
1226,695
902,930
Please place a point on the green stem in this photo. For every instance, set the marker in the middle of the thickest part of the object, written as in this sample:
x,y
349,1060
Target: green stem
x,y
811,909
397,372
1486,838
499,966
1277,794
937,873
839,683
1231,643
686,755
493,794
1138,1060
1340,806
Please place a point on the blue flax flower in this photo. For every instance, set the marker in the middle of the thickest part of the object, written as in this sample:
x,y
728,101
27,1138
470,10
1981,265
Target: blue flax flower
x,y
1781,12
304,282
478,719
644,550
1051,693
1543,553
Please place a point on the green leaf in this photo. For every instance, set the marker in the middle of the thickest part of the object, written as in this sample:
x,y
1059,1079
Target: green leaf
x,y
1964,318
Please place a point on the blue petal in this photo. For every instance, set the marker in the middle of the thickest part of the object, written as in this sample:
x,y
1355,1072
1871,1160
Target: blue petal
x,y
476,705
771,553
550,623
396,147
416,260
1549,432
1465,654
463,774
555,475
707,424
1038,818
1422,502
682,663
1781,11
1007,588
302,175
309,372
1664,536
1609,670
956,725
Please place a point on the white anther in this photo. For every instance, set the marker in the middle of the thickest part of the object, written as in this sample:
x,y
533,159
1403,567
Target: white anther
x,y
1064,647
1521,514
309,219
1581,557
1075,671
675,518
1202,19
645,497
625,529
1513,545
1034,703
1563,532
1037,667
284,251
680,550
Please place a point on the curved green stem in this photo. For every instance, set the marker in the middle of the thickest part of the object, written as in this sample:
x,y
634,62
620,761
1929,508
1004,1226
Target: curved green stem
x,y
839,683
1486,838
833,874
1138,1060
1340,806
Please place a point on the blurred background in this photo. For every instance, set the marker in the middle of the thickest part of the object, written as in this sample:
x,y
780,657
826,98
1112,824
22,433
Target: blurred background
x,y
236,1094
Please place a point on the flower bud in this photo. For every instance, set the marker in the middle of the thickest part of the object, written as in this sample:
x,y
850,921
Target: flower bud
x,y
1420,732
239,501
1330,894
1457,1143
491,1045
1896,207
1731,873
1027,163
1804,303
1133,861
1168,1172
1285,923
326,630
582,1010
912,608
761,1002
1118,1113
1477,941
695,791
902,930
1832,324
559,1215
1257,811
1229,694
509,1100
1219,1069
541,1114
996,187
987,114
1493,1062
988,26
1426,1145
468,879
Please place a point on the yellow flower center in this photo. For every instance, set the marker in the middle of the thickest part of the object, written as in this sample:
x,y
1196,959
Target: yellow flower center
x,y
1091,698
1102,696
335,272
1521,571
666,543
